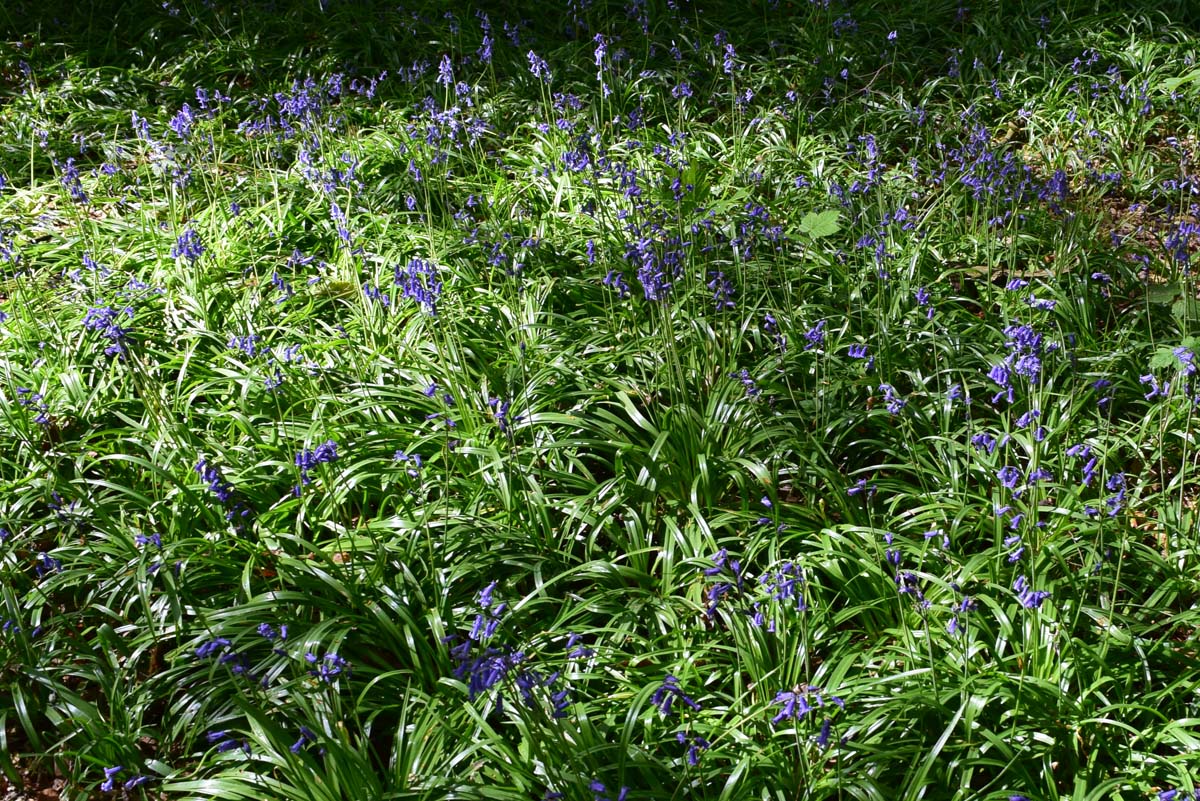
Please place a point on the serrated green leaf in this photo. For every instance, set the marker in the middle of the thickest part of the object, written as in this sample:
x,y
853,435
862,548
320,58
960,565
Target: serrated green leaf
x,y
1163,358
1162,293
820,224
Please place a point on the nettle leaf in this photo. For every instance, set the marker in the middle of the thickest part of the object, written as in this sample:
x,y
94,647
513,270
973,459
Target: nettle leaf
x,y
1162,293
1163,358
820,224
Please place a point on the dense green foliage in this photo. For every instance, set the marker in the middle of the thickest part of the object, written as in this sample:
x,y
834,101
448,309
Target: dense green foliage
x,y
647,401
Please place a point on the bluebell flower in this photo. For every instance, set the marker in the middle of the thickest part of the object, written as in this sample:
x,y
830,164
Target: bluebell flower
x,y
216,483
823,735
500,413
729,63
795,703
327,668
894,403
271,633
47,565
722,289
923,297
1089,472
1040,474
907,582
1115,484
212,647
983,441
247,344
861,487
697,746
538,66
1174,795
229,745
488,620
182,122
486,669
1156,391
419,281
598,792
485,49
283,286
1009,477
110,775
1187,359
575,650
306,736
616,280
722,565
785,584
844,25
485,595
104,319
743,375
1028,417
815,336
70,181
1001,375
668,693
188,246
1028,597
306,459
965,606
153,539
771,326
1014,542
413,459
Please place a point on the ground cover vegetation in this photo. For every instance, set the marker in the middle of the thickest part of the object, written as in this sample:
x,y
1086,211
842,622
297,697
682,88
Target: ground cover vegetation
x,y
606,401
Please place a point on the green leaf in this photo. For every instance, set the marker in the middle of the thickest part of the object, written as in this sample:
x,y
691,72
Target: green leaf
x,y
1162,293
820,224
1179,310
1172,84
1163,358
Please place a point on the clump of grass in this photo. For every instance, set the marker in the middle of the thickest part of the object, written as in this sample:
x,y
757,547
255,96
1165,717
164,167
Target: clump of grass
x,y
629,402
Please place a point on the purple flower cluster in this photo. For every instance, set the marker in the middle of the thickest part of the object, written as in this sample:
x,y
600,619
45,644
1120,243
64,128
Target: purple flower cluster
x,y
105,319
188,246
419,282
308,459
110,779
1027,596
328,667
796,703
668,693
